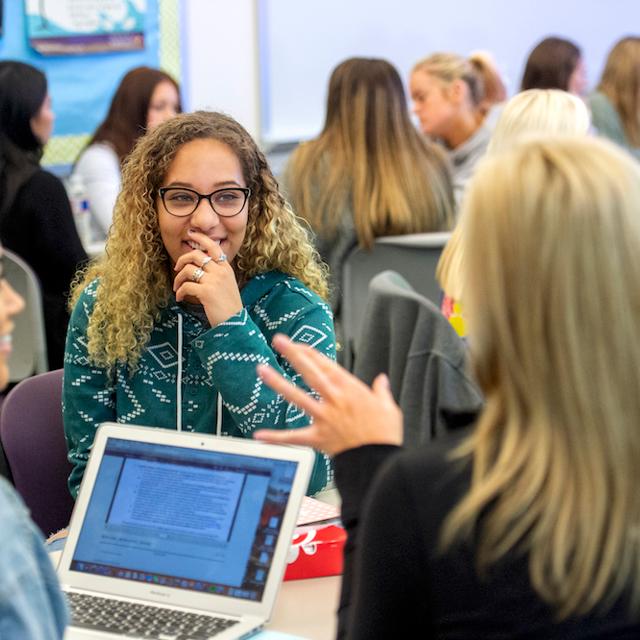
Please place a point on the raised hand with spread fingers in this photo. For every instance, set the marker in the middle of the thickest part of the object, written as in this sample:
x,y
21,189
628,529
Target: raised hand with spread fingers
x,y
349,414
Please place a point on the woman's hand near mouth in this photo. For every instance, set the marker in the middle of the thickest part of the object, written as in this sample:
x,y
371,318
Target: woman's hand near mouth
x,y
216,289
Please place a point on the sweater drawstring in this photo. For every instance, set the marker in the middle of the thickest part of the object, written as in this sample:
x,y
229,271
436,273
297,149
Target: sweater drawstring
x,y
219,414
179,381
179,389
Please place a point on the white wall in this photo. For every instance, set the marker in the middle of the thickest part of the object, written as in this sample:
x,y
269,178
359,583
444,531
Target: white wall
x,y
303,41
220,59
267,62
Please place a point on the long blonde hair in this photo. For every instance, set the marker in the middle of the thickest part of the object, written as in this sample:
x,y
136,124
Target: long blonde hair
x,y
551,235
369,160
135,279
529,114
620,82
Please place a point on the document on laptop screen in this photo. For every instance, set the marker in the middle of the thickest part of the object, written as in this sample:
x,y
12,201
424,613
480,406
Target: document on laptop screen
x,y
186,518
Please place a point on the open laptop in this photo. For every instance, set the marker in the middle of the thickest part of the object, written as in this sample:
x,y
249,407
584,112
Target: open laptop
x,y
180,535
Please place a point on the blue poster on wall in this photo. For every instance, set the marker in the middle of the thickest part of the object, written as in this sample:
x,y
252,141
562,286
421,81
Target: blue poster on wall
x,y
80,86
70,27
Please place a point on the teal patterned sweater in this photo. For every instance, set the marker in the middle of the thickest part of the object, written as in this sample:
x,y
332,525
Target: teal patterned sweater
x,y
220,360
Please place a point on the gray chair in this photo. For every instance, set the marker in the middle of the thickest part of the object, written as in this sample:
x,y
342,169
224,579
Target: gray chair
x,y
29,352
405,336
415,256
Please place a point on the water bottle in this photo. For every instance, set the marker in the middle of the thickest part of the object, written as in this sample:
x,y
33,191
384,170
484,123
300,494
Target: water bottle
x,y
80,208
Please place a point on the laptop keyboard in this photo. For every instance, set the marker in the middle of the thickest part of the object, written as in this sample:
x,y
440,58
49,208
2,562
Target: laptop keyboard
x,y
142,621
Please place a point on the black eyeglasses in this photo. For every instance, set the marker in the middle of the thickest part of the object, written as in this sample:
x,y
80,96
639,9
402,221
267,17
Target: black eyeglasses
x,y
182,202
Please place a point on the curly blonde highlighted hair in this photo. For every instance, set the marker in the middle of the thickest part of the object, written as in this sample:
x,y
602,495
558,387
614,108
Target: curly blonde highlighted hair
x,y
134,274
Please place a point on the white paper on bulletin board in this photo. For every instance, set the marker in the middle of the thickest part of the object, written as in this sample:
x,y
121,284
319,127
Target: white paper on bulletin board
x,y
71,27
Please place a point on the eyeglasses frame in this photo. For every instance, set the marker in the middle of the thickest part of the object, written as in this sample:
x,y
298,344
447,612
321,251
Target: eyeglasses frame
x,y
203,196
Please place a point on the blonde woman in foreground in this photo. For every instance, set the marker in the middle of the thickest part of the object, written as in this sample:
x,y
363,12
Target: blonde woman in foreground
x,y
530,114
527,524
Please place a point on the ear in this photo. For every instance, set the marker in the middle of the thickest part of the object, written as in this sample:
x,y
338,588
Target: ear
x,y
458,91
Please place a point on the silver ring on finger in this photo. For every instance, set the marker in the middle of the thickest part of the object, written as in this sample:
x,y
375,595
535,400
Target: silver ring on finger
x,y
197,275
222,258
206,261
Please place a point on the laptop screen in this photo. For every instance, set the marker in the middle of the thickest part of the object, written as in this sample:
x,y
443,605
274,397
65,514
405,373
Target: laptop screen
x,y
191,519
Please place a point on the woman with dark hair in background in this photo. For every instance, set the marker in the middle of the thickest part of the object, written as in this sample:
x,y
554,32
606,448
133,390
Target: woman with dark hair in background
x,y
615,106
555,63
35,215
145,98
369,173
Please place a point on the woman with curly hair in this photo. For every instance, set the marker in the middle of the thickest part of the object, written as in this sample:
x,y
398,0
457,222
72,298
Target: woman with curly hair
x,y
204,263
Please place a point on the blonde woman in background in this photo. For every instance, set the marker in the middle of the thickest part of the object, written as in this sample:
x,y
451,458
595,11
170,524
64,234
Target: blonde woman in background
x,y
525,526
530,114
615,106
369,173
494,89
448,98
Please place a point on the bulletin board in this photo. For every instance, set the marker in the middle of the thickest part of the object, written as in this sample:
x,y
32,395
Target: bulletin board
x,y
81,86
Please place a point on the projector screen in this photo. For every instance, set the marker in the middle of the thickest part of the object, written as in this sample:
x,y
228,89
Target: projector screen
x,y
302,41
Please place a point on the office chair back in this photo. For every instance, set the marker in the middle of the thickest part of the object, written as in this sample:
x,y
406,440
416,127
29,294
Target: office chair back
x,y
32,436
29,344
414,256
406,336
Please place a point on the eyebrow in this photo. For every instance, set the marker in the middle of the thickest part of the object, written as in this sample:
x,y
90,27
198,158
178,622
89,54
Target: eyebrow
x,y
217,185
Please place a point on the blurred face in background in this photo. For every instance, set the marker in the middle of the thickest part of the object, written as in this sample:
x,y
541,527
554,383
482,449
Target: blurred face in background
x,y
432,104
164,104
42,122
10,304
578,79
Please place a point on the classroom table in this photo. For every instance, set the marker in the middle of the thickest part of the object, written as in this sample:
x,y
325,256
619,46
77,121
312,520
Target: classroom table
x,y
307,608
